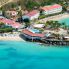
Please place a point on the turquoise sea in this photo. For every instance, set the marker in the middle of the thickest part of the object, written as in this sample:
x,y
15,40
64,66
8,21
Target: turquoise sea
x,y
27,55
65,20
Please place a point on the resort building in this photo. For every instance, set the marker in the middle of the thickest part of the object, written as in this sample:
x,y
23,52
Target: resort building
x,y
38,25
31,15
51,9
31,35
11,23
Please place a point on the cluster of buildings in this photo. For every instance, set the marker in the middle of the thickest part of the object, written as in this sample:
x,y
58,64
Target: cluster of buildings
x,y
31,33
52,9
46,10
34,14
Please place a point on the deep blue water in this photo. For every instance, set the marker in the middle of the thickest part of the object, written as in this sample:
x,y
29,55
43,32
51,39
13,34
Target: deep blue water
x,y
26,55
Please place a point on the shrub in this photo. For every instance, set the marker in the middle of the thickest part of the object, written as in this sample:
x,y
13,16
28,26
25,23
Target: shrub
x,y
6,29
42,16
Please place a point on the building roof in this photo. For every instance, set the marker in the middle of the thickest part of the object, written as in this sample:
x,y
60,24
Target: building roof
x,y
10,22
32,13
38,25
46,8
26,31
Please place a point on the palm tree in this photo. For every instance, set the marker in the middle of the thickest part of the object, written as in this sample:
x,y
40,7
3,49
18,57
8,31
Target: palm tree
x,y
57,24
68,29
53,24
27,22
49,23
63,23
64,26
1,24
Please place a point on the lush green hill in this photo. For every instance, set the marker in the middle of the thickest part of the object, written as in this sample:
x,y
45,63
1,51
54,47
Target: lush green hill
x,y
30,4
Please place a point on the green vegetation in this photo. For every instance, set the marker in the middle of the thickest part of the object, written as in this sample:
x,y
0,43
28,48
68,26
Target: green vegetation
x,y
53,24
56,25
9,6
4,28
42,16
27,22
2,25
31,4
3,1
64,26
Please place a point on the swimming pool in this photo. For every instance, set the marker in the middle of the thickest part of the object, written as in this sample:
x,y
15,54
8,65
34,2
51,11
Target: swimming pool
x,y
34,30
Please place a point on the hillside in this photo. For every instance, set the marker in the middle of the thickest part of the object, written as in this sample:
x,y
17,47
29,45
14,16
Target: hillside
x,y
29,4
4,2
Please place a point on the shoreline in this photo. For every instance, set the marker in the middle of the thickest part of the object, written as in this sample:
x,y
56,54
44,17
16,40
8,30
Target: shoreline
x,y
56,17
6,38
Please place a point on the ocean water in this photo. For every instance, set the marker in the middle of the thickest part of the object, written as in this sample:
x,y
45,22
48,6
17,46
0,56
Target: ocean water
x,y
65,20
26,55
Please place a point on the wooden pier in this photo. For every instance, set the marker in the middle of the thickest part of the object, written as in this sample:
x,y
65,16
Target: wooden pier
x,y
48,41
55,42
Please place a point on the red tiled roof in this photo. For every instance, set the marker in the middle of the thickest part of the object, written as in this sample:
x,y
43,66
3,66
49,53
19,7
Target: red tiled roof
x,y
26,31
45,8
32,13
10,22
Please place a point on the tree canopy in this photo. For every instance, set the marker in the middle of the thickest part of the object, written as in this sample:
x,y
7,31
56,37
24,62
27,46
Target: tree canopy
x,y
30,4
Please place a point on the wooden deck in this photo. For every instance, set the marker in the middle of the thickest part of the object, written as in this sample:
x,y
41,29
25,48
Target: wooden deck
x,y
55,42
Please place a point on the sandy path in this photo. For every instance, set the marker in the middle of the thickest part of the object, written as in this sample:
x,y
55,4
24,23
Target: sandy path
x,y
6,3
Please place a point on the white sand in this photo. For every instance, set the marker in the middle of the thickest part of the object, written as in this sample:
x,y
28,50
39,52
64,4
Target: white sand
x,y
60,31
56,17
13,38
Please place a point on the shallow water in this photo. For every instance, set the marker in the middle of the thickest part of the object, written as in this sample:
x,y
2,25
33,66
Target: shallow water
x,y
65,20
26,55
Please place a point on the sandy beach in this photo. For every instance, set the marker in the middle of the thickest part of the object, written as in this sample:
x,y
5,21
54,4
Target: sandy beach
x,y
13,38
60,31
56,17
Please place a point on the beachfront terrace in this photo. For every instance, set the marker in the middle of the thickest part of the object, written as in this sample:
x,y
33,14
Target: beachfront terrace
x,y
31,35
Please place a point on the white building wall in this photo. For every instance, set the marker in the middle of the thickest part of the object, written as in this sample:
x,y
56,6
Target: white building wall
x,y
35,16
57,10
